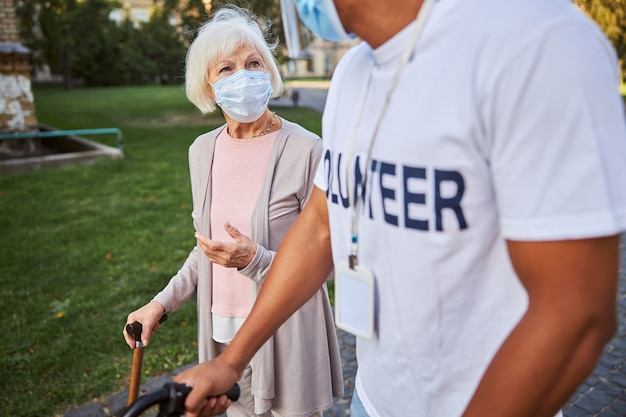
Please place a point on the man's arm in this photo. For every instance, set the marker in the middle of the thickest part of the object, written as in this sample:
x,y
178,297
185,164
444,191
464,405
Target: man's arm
x,y
571,315
302,264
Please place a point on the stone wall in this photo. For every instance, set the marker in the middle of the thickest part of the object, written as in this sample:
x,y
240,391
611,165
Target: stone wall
x,y
8,22
17,104
17,107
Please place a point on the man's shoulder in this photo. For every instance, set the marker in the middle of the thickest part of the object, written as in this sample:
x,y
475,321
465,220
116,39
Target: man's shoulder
x,y
498,17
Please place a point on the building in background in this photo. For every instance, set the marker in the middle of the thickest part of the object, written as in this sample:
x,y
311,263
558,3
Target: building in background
x,y
322,58
137,10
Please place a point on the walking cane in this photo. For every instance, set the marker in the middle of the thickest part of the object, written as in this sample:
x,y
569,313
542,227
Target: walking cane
x,y
134,329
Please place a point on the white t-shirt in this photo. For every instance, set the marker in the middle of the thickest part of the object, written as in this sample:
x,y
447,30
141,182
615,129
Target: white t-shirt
x,y
506,124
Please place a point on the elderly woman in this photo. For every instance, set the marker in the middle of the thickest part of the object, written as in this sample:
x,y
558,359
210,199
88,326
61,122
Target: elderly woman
x,y
250,179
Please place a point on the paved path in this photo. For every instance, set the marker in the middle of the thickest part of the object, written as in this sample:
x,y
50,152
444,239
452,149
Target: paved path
x,y
602,395
312,94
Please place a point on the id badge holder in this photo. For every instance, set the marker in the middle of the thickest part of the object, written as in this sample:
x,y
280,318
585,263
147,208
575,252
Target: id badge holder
x,y
354,299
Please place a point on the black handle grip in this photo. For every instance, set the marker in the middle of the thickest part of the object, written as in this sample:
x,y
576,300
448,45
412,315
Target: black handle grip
x,y
134,329
233,393
171,400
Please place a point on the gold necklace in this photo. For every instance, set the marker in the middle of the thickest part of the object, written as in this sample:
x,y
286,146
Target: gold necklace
x,y
269,126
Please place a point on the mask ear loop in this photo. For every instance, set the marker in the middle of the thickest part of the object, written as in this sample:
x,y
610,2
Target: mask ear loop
x,y
420,21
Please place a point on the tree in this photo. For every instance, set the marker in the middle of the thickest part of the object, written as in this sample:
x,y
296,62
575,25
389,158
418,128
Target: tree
x,y
132,65
95,44
163,46
78,40
611,17
268,12
190,15
43,28
57,30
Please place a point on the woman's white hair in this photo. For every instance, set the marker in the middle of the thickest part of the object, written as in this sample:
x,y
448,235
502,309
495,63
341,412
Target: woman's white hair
x,y
230,28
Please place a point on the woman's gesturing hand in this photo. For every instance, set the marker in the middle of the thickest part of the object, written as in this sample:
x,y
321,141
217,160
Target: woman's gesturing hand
x,y
236,254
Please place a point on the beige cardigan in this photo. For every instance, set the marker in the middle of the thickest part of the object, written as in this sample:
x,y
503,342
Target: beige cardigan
x,y
308,370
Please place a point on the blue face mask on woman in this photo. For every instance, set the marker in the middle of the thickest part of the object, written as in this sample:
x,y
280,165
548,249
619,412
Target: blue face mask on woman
x,y
321,17
244,95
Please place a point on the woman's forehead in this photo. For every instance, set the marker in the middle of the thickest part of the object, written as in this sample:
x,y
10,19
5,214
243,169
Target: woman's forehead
x,y
239,53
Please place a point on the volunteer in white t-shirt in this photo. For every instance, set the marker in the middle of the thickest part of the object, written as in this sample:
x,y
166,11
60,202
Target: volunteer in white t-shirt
x,y
470,189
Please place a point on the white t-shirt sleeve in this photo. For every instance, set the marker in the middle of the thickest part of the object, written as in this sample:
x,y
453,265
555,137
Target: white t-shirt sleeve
x,y
557,138
320,179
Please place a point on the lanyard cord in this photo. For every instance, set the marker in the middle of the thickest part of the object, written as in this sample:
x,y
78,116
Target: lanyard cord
x,y
420,21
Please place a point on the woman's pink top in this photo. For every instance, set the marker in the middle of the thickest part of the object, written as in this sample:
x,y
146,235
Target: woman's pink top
x,y
239,170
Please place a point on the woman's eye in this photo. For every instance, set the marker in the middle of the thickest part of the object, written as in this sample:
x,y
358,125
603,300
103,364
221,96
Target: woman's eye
x,y
223,70
255,64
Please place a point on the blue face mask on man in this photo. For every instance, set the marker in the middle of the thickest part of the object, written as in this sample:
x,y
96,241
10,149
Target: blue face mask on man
x,y
320,16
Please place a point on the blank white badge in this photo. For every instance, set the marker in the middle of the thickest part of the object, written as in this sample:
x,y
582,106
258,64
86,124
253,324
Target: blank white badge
x,y
354,299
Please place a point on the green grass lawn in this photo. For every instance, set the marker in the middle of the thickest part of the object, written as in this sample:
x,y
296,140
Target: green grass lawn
x,y
83,246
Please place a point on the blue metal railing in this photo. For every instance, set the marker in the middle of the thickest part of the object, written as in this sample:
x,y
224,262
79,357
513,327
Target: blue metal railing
x,y
57,133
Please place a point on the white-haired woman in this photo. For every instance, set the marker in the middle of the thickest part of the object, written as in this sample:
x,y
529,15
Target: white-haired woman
x,y
250,179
